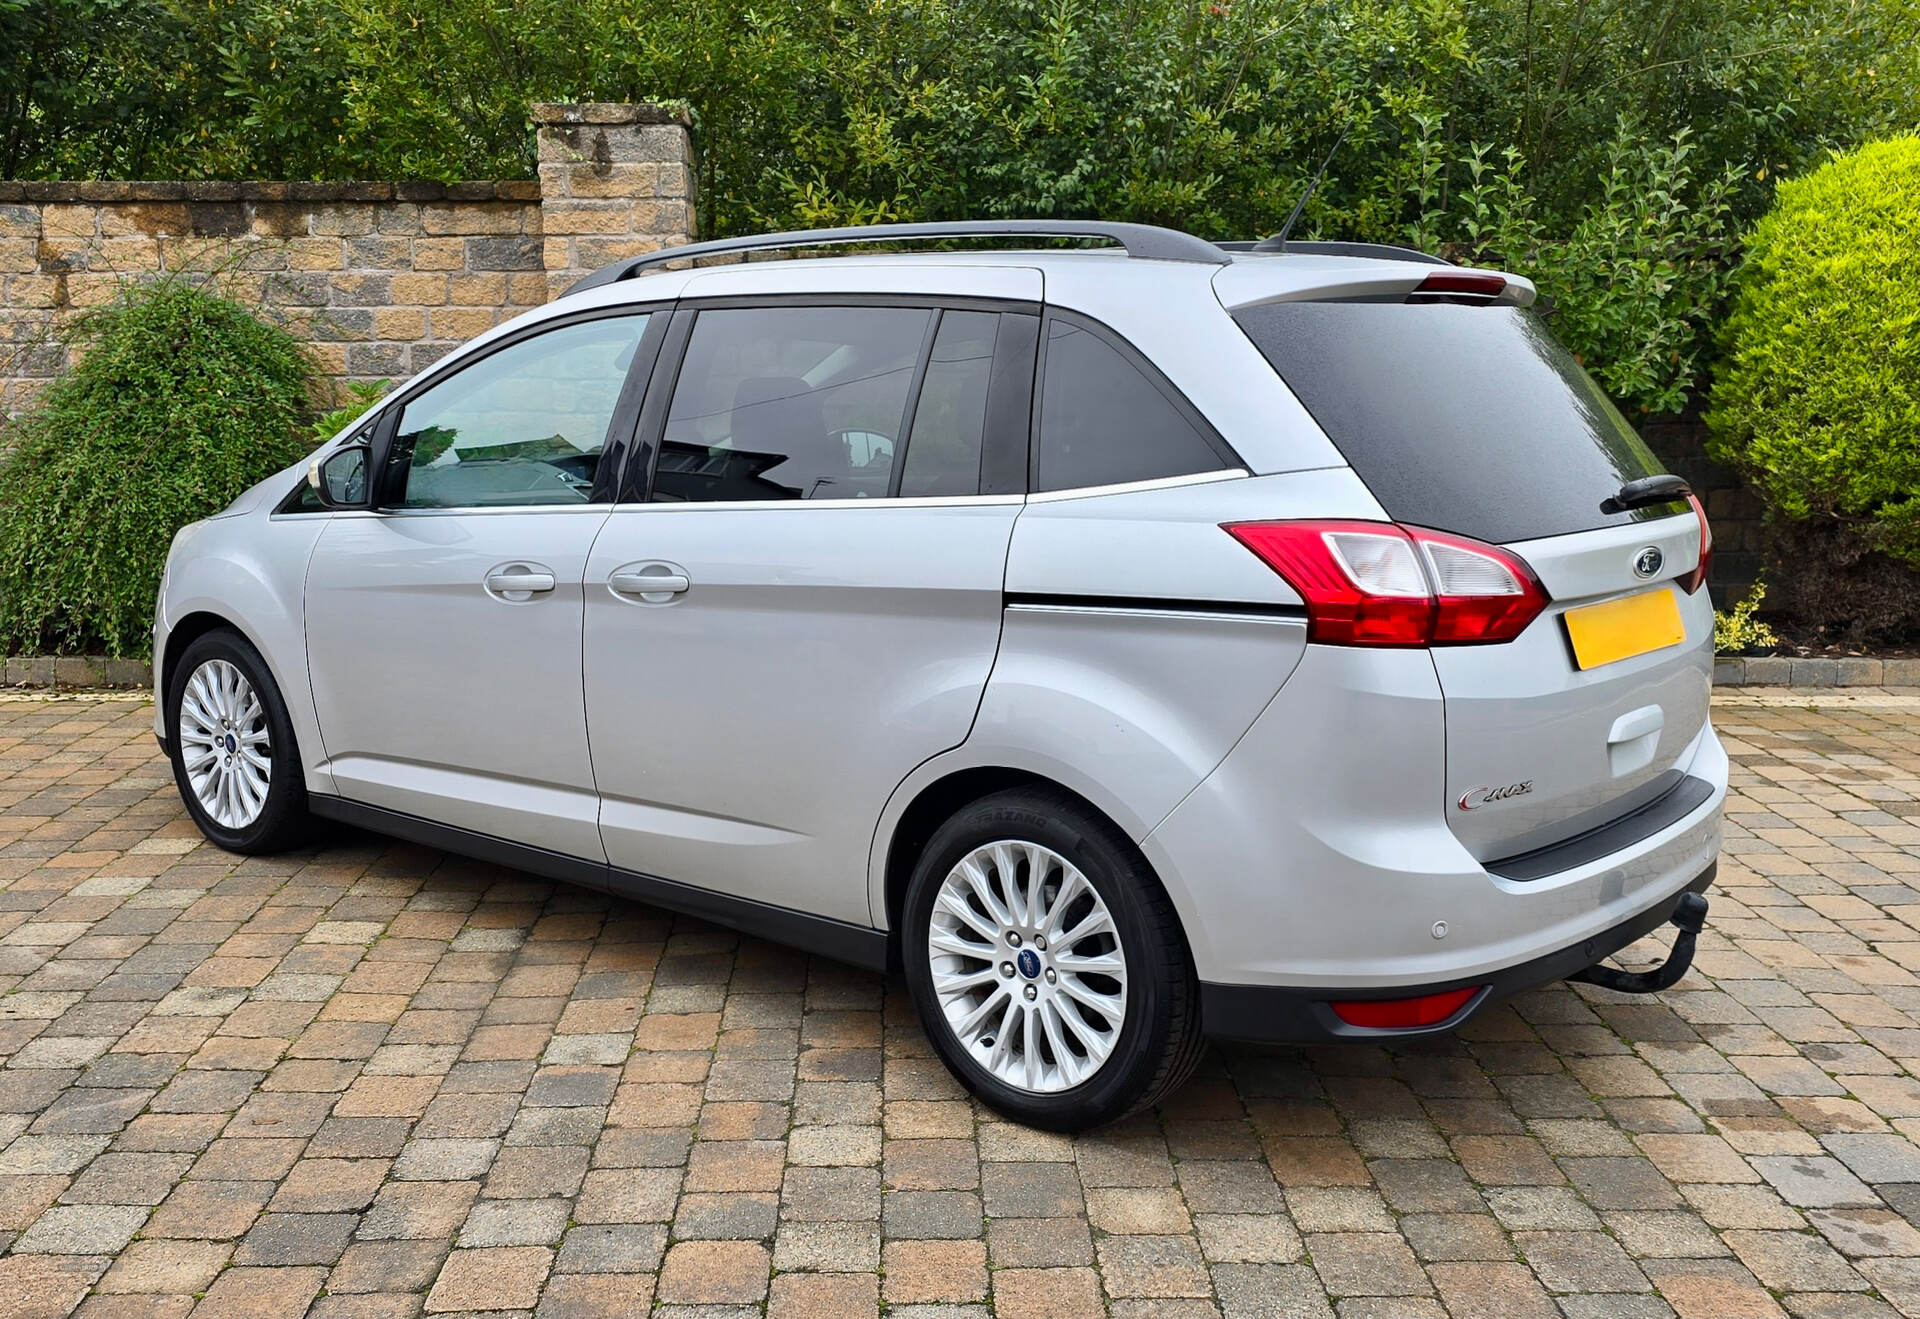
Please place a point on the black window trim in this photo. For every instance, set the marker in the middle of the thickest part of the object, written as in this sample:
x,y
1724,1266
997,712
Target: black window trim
x,y
911,408
620,427
1010,389
1229,460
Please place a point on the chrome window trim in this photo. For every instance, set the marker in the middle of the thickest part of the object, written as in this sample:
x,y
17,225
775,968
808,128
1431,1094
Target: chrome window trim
x,y
1129,487
467,510
881,501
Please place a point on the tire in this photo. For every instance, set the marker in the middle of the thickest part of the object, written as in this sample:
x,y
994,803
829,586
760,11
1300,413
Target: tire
x,y
237,822
1157,1042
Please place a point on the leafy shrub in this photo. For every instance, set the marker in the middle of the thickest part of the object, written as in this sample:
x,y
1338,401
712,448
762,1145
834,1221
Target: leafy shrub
x,y
1634,285
361,395
181,400
1740,629
1818,398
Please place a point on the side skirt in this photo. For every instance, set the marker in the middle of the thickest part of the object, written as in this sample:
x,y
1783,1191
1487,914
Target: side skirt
x,y
838,940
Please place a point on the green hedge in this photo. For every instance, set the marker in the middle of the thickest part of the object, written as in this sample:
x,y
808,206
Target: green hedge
x,y
1817,399
181,400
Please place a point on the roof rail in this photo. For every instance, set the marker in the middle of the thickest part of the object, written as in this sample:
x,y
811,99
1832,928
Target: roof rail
x,y
1141,241
1377,251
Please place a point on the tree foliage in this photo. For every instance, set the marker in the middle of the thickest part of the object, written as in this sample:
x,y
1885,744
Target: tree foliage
x,y
1609,148
181,400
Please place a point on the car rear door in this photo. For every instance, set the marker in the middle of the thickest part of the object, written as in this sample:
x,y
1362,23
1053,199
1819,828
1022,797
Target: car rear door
x,y
1466,417
805,601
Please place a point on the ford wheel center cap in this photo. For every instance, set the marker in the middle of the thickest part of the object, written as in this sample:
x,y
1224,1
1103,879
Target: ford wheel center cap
x,y
1029,963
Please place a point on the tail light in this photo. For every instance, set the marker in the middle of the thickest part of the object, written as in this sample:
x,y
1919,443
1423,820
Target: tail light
x,y
1696,579
1382,584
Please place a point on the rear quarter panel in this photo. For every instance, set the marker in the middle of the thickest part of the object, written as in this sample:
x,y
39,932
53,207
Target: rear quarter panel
x,y
1141,642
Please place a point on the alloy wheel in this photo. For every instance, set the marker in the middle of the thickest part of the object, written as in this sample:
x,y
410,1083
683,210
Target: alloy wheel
x,y
225,744
1027,965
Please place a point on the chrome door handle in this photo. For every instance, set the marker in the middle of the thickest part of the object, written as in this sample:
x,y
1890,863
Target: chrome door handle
x,y
511,580
649,583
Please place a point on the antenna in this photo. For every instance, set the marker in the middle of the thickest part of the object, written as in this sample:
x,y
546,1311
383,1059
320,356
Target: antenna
x,y
1278,243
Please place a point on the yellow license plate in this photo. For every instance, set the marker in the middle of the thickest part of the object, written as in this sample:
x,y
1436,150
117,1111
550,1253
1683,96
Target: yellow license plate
x,y
1621,629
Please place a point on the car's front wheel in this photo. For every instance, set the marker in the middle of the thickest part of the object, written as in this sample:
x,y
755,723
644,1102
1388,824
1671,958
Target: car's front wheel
x,y
234,757
1047,964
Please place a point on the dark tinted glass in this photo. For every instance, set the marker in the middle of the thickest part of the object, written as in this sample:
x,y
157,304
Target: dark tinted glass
x,y
1465,419
790,403
1103,422
949,421
523,425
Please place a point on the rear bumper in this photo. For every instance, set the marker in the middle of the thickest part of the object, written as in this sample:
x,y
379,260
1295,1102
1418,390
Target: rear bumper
x,y
1279,1014
1318,858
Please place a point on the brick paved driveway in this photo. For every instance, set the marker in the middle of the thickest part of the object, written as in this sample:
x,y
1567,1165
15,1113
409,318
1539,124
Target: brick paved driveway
x,y
374,1080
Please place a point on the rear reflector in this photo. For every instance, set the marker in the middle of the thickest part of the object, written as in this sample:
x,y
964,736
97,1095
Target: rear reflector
x,y
1382,584
1468,282
1405,1013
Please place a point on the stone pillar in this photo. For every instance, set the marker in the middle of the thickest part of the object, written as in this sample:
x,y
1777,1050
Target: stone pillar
x,y
615,181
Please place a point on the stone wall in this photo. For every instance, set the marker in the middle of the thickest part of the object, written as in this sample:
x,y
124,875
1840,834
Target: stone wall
x,y
381,279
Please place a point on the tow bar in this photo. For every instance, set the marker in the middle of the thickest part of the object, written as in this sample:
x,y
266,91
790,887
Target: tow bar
x,y
1690,915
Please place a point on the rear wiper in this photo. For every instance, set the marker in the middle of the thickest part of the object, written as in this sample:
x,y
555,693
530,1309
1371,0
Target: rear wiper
x,y
1663,489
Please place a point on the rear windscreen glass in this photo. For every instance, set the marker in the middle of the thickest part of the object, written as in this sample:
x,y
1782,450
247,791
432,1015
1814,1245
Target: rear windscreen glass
x,y
1465,419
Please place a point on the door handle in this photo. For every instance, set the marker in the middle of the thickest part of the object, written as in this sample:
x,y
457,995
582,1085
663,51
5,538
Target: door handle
x,y
649,583
519,579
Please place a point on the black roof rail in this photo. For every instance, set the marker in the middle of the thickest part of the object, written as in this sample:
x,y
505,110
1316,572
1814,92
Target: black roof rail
x,y
1141,241
1377,251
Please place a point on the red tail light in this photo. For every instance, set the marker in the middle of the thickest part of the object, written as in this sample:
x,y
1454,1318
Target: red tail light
x,y
1404,1013
1382,584
1696,579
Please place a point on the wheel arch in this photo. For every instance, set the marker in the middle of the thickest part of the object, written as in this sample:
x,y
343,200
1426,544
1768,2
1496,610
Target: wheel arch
x,y
939,789
189,629
246,573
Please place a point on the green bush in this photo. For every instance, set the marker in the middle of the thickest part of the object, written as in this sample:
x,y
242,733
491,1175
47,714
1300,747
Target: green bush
x,y
1818,398
181,400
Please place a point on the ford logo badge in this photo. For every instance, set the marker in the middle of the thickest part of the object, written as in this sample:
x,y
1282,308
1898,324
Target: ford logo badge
x,y
1648,561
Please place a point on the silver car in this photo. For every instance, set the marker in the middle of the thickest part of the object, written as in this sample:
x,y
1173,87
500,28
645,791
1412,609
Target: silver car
x,y
1130,644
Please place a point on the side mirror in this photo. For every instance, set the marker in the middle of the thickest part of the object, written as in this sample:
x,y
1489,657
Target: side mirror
x,y
339,479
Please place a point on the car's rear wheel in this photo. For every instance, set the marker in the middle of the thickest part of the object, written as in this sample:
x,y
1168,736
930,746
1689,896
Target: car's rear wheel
x,y
231,743
1047,964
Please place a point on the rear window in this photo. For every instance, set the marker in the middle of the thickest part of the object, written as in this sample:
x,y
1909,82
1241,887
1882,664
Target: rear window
x,y
1465,419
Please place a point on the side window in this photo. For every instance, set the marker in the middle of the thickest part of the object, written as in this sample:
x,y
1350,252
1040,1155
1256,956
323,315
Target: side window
x,y
950,419
791,403
1103,422
523,425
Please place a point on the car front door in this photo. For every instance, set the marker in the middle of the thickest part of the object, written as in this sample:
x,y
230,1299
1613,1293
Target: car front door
x,y
809,603
443,625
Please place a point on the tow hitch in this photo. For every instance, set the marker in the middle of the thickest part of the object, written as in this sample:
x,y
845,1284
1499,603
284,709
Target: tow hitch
x,y
1690,915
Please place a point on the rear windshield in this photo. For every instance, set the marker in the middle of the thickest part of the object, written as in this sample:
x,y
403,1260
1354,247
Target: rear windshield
x,y
1464,419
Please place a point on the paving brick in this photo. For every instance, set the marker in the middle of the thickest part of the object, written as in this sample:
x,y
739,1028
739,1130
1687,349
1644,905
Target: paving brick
x,y
935,1271
714,1273
260,1293
507,1278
